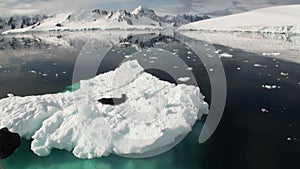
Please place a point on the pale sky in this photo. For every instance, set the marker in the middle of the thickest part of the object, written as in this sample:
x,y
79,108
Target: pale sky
x,y
212,7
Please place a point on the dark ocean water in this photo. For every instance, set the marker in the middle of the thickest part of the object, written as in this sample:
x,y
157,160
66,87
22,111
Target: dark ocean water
x,y
259,128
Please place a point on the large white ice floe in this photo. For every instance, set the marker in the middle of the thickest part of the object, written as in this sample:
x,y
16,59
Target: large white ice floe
x,y
155,114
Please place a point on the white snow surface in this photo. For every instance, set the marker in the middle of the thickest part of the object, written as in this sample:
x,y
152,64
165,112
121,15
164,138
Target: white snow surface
x,y
153,116
279,19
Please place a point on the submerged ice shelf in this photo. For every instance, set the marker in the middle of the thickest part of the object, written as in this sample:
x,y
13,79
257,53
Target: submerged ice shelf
x,y
154,115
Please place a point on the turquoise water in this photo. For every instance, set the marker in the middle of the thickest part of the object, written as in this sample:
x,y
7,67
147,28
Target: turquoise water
x,y
176,158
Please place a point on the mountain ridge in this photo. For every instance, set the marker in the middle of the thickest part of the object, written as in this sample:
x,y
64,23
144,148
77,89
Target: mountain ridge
x,y
140,18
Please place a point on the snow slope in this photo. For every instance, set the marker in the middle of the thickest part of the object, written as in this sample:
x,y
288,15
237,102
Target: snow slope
x,y
280,19
155,114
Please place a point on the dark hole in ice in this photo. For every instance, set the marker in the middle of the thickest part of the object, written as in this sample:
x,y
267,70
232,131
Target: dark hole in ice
x,y
113,101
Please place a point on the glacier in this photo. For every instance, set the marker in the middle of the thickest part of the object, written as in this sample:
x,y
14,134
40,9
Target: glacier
x,y
270,20
154,116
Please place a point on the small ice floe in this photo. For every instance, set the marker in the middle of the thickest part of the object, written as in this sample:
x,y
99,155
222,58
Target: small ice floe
x,y
259,65
264,110
6,71
284,74
10,95
289,139
33,71
184,79
225,55
271,54
128,56
218,51
153,57
270,87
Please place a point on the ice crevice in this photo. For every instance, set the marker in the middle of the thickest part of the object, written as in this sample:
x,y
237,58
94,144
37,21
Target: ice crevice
x,y
154,115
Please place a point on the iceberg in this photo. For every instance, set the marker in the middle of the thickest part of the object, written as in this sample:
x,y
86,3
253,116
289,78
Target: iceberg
x,y
154,115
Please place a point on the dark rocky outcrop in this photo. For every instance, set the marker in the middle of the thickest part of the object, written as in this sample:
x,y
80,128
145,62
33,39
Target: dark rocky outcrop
x,y
9,142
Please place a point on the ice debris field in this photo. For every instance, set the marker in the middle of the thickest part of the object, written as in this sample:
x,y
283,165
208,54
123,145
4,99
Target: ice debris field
x,y
154,115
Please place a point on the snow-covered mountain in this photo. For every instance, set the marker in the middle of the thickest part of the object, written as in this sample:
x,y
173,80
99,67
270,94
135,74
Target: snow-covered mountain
x,y
15,22
141,18
280,19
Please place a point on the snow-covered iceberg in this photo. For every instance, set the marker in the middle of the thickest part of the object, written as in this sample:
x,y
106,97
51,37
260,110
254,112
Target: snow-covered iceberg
x,y
155,114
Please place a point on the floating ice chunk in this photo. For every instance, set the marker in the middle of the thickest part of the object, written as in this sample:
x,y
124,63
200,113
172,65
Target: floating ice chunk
x,y
284,74
153,57
10,95
271,54
155,114
33,71
264,110
225,55
184,79
260,65
218,51
128,56
270,87
210,56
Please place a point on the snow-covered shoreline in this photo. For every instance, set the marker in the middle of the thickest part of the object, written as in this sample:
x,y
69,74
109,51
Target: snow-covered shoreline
x,y
276,20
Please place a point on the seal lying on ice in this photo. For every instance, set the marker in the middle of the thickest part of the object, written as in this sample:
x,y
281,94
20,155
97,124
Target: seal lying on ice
x,y
113,101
